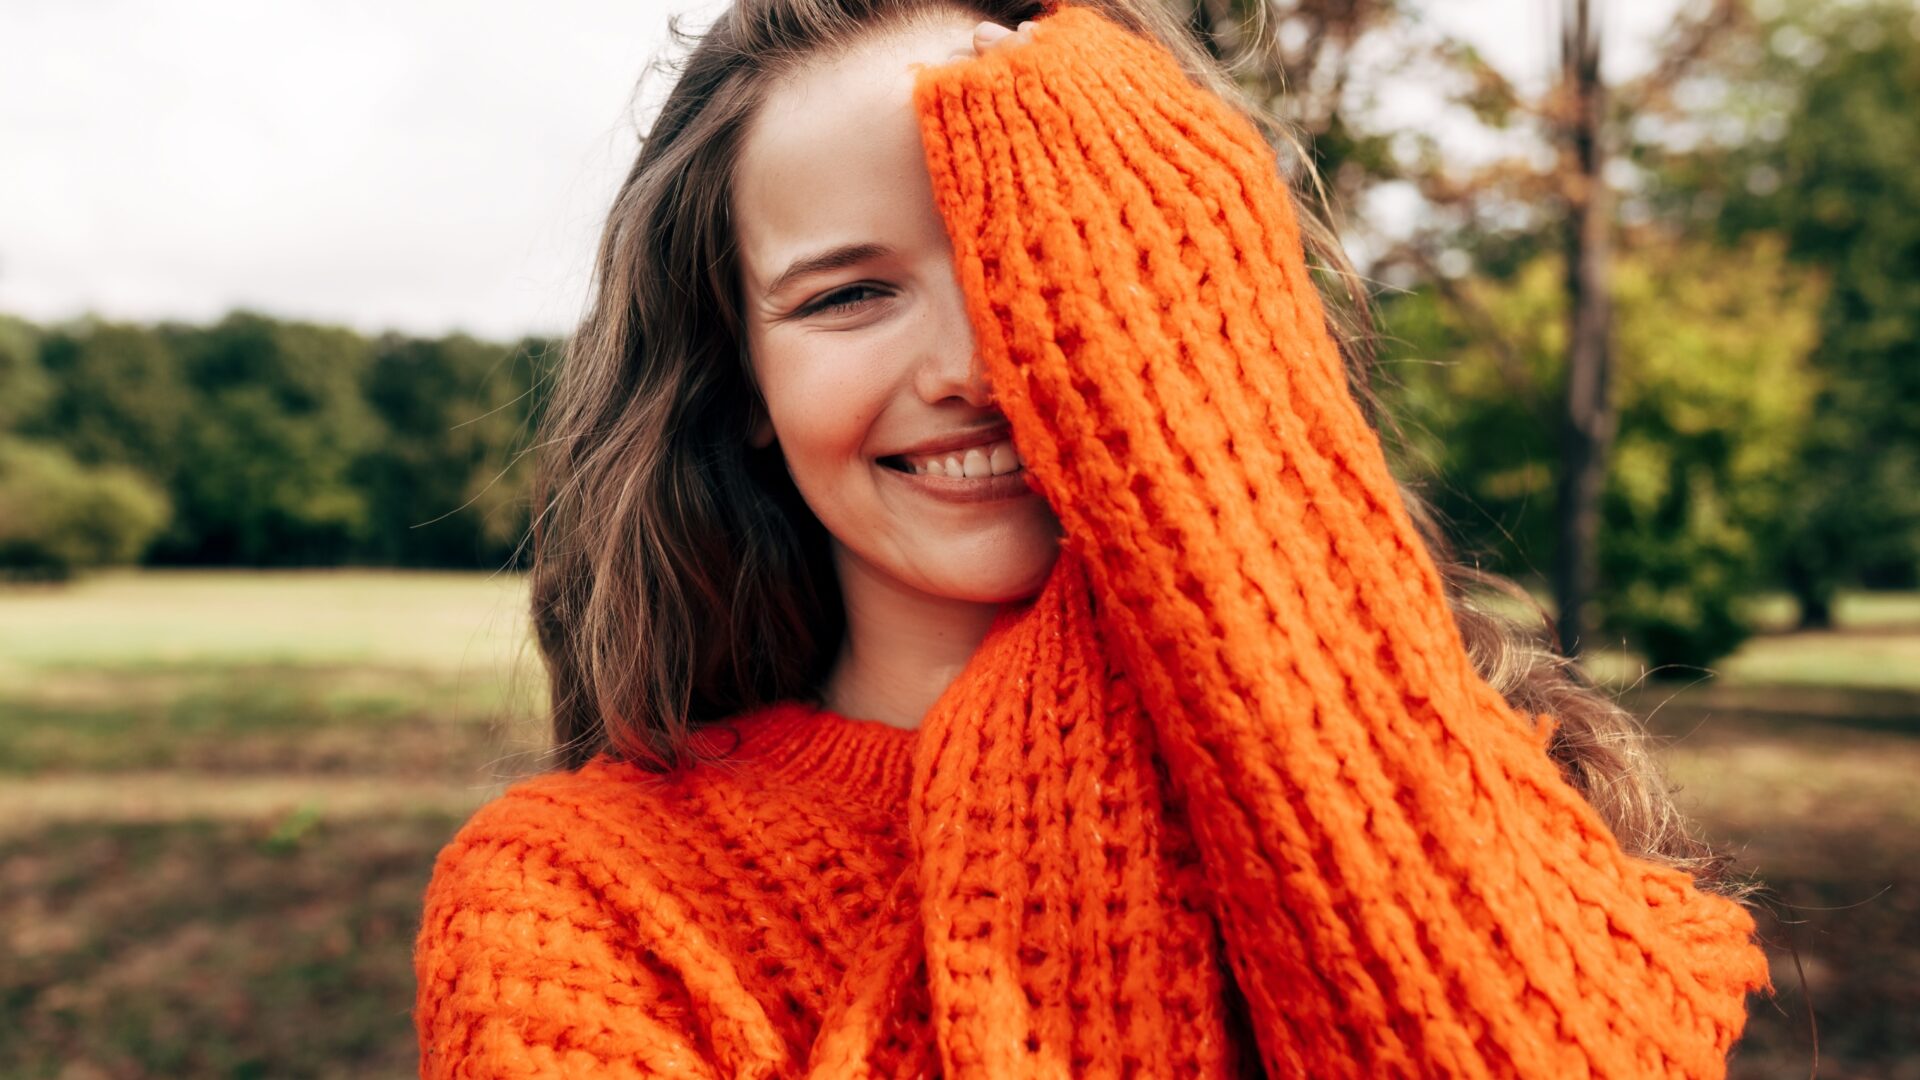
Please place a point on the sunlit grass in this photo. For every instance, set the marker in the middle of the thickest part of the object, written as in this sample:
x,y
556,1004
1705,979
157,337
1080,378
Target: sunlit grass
x,y
1876,645
1880,659
444,622
1854,610
271,717
417,674
1863,659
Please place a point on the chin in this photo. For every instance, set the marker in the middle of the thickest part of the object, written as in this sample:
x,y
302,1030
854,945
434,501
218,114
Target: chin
x,y
1013,580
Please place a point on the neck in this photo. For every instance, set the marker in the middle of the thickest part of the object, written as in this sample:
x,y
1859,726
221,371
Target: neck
x,y
903,647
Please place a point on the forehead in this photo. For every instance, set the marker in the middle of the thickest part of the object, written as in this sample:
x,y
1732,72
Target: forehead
x,y
833,155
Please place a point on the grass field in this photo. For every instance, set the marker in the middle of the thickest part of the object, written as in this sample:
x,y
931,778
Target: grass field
x,y
221,794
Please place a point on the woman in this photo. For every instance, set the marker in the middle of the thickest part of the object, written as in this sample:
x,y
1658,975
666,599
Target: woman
x,y
985,639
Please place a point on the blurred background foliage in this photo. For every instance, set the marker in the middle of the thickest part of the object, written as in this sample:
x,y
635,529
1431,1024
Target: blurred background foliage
x,y
258,656
261,442
1715,393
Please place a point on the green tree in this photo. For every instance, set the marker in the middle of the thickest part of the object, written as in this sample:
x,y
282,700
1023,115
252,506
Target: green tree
x,y
24,386
101,404
118,396
269,446
1714,392
443,484
58,516
1808,127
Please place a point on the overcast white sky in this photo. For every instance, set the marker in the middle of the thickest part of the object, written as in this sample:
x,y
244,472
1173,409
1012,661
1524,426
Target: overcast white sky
x,y
424,166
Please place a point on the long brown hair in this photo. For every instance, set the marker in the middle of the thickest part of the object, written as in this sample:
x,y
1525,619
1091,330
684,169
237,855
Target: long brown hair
x,y
678,577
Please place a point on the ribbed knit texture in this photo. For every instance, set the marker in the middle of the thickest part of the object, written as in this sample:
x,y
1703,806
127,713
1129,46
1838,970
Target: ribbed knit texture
x,y
1228,794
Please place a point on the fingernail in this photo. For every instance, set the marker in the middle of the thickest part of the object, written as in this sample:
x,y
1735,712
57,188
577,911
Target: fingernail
x,y
988,31
1028,25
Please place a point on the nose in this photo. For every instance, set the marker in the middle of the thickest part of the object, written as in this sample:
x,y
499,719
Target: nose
x,y
950,364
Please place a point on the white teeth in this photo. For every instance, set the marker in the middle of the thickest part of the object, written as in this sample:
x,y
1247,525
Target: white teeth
x,y
996,459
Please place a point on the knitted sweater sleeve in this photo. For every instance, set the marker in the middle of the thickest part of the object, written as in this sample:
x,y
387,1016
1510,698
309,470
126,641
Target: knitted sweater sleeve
x,y
1404,882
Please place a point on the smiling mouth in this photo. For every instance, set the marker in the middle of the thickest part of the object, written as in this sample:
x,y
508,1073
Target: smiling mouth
x,y
975,462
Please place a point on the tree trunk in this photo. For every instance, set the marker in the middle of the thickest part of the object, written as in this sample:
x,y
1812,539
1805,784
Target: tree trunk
x,y
1812,590
1587,432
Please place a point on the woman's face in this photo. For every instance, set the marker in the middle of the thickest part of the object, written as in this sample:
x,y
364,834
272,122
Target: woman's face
x,y
859,337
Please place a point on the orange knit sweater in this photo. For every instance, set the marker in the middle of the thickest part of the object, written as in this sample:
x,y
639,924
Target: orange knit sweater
x,y
1228,794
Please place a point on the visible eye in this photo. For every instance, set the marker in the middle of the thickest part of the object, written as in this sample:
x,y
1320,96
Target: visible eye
x,y
841,300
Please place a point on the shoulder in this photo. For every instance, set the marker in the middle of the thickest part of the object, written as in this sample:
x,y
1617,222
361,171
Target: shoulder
x,y
784,778
603,813
535,953
562,869
599,792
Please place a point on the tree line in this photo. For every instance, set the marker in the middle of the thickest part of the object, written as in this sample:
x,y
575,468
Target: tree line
x,y
259,442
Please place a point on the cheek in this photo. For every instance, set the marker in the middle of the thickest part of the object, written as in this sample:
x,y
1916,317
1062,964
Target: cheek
x,y
823,399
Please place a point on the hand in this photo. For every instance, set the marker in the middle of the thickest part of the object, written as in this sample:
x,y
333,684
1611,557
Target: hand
x,y
991,35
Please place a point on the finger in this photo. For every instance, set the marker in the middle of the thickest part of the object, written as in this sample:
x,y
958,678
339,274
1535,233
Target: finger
x,y
987,34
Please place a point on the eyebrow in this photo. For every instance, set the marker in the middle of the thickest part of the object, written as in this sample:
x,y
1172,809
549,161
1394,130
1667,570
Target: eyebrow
x,y
834,258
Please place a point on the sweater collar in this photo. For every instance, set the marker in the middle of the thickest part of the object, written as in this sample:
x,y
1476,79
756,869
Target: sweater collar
x,y
809,746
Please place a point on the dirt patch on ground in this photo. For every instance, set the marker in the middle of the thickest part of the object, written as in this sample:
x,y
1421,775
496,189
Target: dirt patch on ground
x,y
1817,792
228,948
